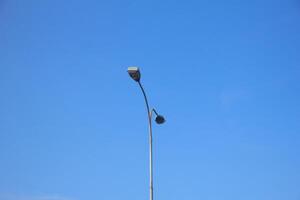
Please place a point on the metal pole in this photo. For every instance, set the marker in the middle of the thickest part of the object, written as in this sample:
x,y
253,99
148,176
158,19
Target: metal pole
x,y
150,141
150,156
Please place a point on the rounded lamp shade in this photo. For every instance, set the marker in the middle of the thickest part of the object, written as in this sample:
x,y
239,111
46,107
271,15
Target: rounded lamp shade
x,y
160,119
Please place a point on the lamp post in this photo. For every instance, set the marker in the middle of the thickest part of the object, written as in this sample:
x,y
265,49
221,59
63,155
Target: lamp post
x,y
135,74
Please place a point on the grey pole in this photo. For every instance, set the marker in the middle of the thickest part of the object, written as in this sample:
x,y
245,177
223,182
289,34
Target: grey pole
x,y
150,141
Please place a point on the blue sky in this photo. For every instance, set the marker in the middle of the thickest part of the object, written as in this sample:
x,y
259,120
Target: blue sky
x,y
73,125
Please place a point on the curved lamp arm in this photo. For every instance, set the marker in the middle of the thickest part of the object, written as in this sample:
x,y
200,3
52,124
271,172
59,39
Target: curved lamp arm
x,y
145,97
159,118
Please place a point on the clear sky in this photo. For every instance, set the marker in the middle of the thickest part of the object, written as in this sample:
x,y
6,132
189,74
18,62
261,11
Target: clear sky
x,y
226,75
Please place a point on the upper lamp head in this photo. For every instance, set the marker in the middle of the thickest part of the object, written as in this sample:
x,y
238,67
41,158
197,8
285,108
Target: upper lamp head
x,y
134,73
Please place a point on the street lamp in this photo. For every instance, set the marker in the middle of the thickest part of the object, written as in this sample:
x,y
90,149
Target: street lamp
x,y
135,74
